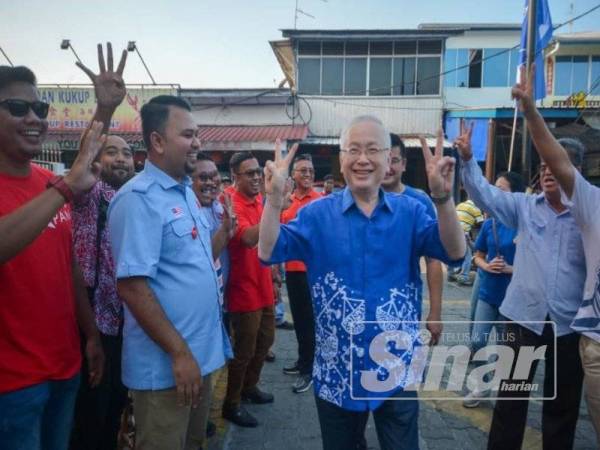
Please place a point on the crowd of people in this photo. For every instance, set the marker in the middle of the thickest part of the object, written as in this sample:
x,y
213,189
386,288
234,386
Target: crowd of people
x,y
121,289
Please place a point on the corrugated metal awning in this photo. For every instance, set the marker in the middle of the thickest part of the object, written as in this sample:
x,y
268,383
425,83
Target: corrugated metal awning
x,y
257,138
409,142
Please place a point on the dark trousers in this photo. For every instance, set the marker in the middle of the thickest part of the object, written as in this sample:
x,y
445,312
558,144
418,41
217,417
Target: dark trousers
x,y
253,334
559,416
396,423
98,410
304,319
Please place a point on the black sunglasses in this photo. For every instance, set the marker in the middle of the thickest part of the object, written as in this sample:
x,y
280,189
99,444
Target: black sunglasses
x,y
20,108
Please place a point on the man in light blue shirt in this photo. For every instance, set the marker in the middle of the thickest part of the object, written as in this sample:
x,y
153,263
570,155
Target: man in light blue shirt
x,y
547,285
361,247
173,336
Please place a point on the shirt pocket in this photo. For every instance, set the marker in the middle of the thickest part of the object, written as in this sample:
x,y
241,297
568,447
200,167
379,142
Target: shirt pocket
x,y
534,239
575,253
178,233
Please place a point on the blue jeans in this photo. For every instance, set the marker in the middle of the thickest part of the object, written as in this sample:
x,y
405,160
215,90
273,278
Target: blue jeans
x,y
466,266
38,417
279,313
396,423
481,331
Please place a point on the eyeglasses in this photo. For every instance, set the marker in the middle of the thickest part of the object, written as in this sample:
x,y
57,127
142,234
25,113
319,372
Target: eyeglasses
x,y
20,108
306,171
370,153
211,176
252,173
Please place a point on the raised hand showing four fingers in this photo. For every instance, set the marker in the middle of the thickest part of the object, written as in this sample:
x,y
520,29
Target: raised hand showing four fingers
x,y
108,84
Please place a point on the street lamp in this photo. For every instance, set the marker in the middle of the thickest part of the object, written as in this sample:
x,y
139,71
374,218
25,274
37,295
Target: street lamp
x,y
66,45
132,47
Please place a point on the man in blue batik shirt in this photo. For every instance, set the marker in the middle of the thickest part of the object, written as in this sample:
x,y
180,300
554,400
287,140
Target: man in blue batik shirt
x,y
173,336
362,247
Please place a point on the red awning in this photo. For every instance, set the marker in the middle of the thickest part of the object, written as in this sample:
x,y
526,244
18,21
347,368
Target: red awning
x,y
264,133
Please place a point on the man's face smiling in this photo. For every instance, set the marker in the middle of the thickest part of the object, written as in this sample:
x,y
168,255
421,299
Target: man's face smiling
x,y
181,144
204,181
364,172
249,177
117,162
21,137
304,174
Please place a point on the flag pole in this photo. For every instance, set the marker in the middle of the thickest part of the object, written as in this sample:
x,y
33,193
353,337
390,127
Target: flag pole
x,y
531,44
512,138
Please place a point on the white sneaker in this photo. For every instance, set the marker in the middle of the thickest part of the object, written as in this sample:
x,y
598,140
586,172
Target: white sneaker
x,y
473,398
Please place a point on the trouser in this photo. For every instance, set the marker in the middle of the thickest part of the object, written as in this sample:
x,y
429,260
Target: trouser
x,y
559,416
162,423
253,334
38,417
98,410
589,351
396,423
304,320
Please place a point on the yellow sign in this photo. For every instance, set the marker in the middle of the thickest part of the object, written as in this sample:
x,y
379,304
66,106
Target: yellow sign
x,y
72,109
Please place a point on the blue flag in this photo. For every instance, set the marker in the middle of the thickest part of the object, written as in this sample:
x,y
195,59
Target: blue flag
x,y
543,35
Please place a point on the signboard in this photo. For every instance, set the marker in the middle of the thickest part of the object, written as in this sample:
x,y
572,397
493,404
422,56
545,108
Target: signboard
x,y
577,100
72,109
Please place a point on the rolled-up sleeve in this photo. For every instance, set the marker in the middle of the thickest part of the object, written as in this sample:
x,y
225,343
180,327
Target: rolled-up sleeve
x,y
136,236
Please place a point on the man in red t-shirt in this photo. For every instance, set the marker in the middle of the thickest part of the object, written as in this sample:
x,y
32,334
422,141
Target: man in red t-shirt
x,y
249,295
303,174
42,294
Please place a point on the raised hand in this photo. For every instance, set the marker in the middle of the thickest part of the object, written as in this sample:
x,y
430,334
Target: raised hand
x,y
229,221
523,90
463,142
440,168
277,172
108,84
85,171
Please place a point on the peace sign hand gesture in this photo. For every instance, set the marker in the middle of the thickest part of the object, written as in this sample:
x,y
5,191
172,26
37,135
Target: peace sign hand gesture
x,y
523,91
440,169
108,84
463,142
229,218
276,174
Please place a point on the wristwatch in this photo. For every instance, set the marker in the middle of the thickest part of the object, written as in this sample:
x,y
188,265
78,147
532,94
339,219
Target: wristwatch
x,y
58,182
441,200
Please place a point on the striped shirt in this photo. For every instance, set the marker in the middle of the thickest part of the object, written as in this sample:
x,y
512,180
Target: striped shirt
x,y
584,207
469,215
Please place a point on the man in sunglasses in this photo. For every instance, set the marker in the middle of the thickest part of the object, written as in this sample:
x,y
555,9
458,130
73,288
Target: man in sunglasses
x,y
98,409
43,297
250,301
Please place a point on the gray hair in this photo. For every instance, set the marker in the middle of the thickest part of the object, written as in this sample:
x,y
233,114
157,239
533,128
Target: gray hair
x,y
385,134
575,149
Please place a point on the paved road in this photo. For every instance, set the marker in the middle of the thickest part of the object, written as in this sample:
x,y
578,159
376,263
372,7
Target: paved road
x,y
291,422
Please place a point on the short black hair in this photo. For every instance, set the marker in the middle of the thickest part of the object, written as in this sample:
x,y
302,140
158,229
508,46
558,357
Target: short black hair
x,y
516,181
328,177
201,156
397,142
302,157
238,158
19,74
155,114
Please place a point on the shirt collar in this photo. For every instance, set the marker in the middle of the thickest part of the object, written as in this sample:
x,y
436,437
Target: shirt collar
x,y
312,193
162,178
247,200
348,200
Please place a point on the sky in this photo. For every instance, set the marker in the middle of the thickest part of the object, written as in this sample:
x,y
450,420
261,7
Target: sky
x,y
216,44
